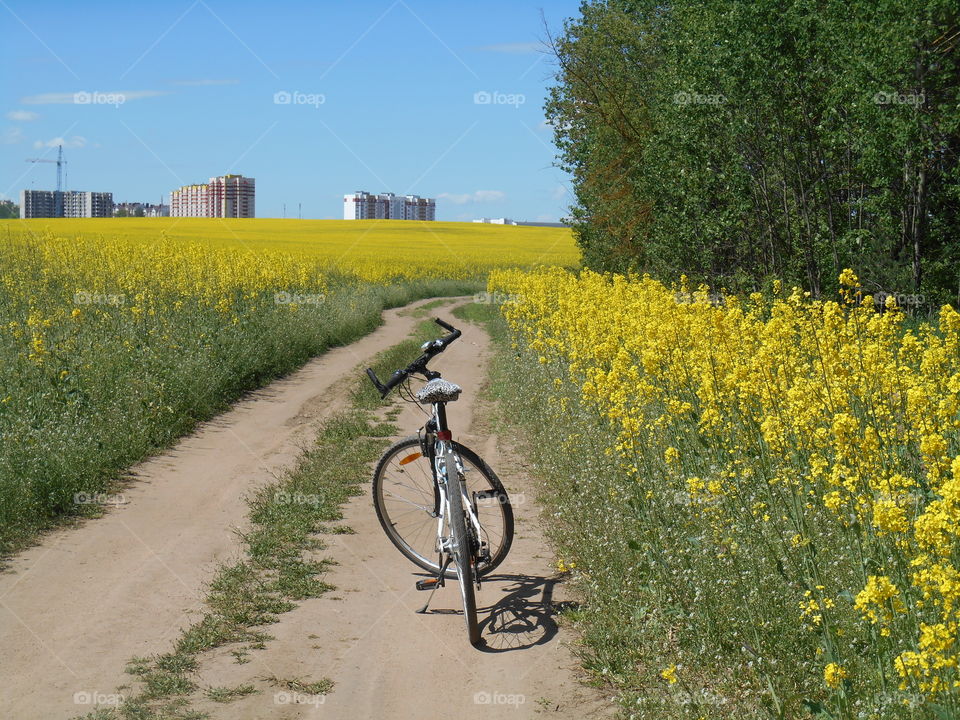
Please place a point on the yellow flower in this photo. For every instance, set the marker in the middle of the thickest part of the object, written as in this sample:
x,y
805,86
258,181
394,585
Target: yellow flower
x,y
849,278
879,599
889,517
669,674
833,675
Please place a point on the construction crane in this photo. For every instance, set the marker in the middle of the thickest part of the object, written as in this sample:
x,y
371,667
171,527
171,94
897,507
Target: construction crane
x,y
60,163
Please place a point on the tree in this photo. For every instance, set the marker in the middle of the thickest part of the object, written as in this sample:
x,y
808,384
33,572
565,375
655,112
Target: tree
x,y
740,142
9,209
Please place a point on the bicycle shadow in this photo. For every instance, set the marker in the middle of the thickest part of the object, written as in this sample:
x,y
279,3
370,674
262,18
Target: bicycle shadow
x,y
524,617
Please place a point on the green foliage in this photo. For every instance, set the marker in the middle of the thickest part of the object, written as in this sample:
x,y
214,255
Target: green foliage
x,y
67,427
742,142
9,210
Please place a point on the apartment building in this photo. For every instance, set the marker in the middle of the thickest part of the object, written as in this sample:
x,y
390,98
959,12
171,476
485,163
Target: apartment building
x,y
227,196
79,204
362,205
65,204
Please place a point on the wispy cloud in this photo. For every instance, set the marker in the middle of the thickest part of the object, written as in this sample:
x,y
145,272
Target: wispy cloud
x,y
517,48
476,196
77,141
22,115
11,136
203,82
71,98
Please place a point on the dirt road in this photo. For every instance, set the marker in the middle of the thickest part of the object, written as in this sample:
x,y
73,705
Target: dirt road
x,y
77,607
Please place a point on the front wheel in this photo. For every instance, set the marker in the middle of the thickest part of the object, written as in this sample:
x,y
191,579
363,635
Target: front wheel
x,y
408,505
463,553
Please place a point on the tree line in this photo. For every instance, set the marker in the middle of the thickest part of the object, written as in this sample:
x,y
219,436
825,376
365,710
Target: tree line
x,y
741,142
9,209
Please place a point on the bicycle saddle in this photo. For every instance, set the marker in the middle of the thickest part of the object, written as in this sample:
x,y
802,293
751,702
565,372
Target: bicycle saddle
x,y
438,390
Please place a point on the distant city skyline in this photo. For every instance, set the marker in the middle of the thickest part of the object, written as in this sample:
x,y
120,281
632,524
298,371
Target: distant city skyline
x,y
286,95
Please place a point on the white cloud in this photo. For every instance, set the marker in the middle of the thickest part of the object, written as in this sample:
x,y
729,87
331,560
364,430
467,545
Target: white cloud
x,y
204,82
489,195
517,48
77,141
71,98
546,218
22,115
476,196
11,136
559,192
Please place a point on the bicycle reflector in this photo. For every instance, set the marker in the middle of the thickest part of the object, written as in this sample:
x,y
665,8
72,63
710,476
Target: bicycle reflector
x,y
411,458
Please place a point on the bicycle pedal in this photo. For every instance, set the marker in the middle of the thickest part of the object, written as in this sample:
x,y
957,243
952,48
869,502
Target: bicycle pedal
x,y
428,584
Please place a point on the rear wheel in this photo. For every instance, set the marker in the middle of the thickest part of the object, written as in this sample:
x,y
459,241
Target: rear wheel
x,y
407,503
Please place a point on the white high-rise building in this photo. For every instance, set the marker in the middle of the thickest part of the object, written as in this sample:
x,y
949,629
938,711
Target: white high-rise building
x,y
362,205
65,204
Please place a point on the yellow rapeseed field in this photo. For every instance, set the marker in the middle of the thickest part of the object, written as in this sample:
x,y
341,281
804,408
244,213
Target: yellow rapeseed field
x,y
793,470
117,335
374,250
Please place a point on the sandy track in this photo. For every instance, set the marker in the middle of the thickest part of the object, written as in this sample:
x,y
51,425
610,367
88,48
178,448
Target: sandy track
x,y
77,607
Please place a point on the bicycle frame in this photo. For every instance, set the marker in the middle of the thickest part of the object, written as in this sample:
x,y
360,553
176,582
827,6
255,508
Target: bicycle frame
x,y
438,445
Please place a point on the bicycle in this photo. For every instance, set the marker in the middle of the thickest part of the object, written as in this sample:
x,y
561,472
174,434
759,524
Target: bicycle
x,y
462,519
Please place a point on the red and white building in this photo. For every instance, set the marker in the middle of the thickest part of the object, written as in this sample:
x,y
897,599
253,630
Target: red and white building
x,y
227,196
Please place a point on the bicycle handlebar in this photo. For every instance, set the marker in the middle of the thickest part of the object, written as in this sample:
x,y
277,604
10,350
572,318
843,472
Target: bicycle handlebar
x,y
418,366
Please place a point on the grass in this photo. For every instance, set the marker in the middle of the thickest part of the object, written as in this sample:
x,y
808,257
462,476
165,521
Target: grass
x,y
228,694
70,425
299,685
279,568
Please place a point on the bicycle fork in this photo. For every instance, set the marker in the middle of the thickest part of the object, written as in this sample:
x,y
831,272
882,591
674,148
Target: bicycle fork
x,y
444,459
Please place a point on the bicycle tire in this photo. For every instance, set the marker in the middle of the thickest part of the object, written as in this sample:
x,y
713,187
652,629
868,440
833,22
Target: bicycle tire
x,y
413,532
463,552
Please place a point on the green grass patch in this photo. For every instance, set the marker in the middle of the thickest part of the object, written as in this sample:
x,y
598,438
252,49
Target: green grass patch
x,y
229,694
105,388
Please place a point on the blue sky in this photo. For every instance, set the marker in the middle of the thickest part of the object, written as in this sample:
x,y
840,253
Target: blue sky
x,y
441,99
